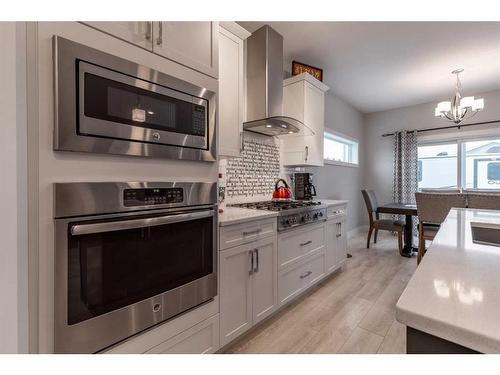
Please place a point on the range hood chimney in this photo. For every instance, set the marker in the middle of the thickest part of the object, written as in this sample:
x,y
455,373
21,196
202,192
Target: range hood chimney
x,y
265,86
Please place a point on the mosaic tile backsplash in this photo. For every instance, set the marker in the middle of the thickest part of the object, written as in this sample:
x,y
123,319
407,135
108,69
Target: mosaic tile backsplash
x,y
256,171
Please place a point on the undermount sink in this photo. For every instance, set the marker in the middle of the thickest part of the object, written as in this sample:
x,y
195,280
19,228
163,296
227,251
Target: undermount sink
x,y
485,233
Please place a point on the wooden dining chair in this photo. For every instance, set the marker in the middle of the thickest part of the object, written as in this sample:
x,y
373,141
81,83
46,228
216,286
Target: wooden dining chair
x,y
377,224
488,201
432,209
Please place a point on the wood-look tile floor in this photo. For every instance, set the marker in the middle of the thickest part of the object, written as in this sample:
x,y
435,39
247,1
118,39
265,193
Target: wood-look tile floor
x,y
352,311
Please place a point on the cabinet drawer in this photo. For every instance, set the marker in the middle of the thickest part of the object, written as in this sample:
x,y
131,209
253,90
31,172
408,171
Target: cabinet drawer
x,y
293,281
238,234
296,245
200,339
336,211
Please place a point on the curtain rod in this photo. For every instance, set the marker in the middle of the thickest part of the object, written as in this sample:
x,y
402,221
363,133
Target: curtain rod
x,y
447,127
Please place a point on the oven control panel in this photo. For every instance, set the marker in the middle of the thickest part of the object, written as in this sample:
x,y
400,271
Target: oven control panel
x,y
152,196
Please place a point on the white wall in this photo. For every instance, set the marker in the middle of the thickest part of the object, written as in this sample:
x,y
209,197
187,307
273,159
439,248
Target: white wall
x,y
341,182
13,248
378,156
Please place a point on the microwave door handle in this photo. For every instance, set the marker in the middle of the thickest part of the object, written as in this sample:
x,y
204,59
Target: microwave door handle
x,y
112,226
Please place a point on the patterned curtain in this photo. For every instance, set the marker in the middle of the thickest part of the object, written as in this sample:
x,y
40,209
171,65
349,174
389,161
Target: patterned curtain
x,y
405,167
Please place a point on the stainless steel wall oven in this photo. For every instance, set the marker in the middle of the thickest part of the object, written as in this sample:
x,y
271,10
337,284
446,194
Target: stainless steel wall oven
x,y
105,104
129,256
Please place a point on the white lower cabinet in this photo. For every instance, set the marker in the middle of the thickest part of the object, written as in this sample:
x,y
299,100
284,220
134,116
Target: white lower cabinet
x,y
248,286
294,280
299,243
336,241
203,338
261,271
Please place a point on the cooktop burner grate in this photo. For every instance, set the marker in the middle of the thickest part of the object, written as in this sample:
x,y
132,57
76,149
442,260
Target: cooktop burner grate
x,y
277,205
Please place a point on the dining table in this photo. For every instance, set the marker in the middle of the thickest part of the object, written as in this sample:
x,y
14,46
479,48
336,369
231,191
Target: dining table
x,y
408,210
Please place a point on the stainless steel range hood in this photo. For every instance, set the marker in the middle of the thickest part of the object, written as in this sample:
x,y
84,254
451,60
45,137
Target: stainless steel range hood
x,y
265,86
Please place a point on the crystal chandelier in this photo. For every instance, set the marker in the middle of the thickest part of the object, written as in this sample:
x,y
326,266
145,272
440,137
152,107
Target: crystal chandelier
x,y
459,108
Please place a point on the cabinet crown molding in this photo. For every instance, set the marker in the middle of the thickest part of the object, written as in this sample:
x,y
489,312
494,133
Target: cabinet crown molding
x,y
308,78
236,29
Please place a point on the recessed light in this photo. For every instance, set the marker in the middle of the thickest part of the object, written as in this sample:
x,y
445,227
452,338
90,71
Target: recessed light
x,y
269,126
151,113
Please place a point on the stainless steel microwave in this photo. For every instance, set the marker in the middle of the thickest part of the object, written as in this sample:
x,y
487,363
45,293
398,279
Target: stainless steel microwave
x,y
106,104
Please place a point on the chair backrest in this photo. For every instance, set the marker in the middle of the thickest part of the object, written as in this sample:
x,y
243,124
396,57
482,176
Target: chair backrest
x,y
441,191
433,207
370,201
490,201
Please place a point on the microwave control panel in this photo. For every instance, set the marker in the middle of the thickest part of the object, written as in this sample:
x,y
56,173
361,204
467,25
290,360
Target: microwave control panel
x,y
152,196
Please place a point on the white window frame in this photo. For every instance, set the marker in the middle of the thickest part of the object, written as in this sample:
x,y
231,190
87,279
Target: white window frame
x,y
460,161
346,137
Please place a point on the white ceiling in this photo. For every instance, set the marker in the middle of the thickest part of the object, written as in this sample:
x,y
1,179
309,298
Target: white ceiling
x,y
377,66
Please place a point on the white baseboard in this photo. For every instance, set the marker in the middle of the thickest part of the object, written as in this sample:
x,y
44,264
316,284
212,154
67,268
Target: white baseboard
x,y
354,232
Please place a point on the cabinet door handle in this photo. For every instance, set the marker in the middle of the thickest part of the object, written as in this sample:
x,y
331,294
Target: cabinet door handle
x,y
307,153
250,253
256,252
306,243
159,40
252,232
148,30
305,275
339,230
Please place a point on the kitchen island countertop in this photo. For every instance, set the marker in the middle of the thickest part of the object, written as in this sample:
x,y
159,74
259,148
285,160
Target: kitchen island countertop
x,y
455,292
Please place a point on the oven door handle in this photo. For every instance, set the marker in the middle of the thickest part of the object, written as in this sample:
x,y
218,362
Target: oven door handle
x,y
112,226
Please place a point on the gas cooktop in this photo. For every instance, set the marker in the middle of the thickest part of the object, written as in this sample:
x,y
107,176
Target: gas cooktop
x,y
290,213
277,205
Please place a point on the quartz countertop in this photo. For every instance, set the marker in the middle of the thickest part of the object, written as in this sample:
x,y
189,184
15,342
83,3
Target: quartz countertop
x,y
455,292
236,215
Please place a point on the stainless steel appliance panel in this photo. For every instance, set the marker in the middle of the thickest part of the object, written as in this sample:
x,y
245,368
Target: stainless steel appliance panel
x,y
93,198
98,136
88,331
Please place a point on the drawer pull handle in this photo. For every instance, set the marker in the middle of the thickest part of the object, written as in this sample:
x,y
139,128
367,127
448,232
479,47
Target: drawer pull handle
x,y
305,275
252,232
306,243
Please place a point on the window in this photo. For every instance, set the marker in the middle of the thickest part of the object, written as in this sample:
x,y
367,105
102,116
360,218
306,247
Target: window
x,y
437,166
481,164
465,164
340,150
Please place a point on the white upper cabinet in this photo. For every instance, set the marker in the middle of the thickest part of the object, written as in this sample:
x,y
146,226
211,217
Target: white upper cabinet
x,y
138,33
231,87
194,44
304,99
